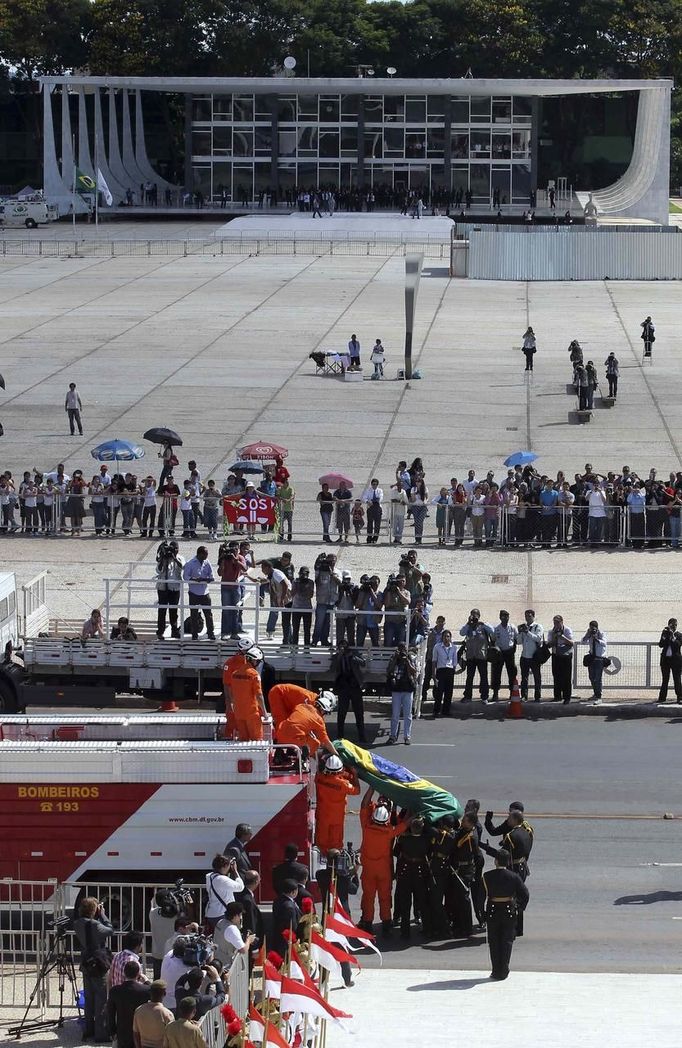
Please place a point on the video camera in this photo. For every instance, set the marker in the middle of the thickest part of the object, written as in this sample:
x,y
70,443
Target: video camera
x,y
59,926
164,551
173,901
198,950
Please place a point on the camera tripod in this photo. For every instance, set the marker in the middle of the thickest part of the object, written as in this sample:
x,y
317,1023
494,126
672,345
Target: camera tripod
x,y
60,959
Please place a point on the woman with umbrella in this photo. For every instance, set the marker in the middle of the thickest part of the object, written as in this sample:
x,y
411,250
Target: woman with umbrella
x,y
168,438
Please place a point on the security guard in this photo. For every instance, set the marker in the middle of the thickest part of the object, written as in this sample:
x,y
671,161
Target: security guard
x,y
465,858
506,897
412,877
442,889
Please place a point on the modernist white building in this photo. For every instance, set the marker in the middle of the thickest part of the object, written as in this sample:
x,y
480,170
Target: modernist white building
x,y
244,135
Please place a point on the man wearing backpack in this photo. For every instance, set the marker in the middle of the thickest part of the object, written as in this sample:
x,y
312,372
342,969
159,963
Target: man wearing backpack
x,y
92,928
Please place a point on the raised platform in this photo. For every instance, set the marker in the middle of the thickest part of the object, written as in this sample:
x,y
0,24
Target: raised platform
x,y
343,225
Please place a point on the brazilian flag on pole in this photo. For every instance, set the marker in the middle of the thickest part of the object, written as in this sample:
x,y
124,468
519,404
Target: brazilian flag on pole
x,y
403,787
84,184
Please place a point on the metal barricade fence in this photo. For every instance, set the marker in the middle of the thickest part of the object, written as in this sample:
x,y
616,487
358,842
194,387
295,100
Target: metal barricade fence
x,y
26,908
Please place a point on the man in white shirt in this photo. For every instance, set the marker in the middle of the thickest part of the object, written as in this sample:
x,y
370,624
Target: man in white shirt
x,y
73,408
199,572
373,497
506,637
279,588
227,934
531,636
596,641
444,664
597,514
470,484
173,968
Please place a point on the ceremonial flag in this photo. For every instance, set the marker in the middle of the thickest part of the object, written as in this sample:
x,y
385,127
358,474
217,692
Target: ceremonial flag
x,y
298,998
104,188
340,931
329,956
403,787
83,182
273,980
257,1030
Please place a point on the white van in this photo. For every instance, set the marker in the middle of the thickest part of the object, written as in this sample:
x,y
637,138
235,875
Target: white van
x,y
29,213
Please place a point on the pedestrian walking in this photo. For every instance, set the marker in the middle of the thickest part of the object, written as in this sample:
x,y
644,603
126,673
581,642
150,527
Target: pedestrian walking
x,y
648,335
612,374
529,347
73,408
560,642
595,660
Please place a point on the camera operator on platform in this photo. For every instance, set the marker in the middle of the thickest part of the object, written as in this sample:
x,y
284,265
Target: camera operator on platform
x,y
169,568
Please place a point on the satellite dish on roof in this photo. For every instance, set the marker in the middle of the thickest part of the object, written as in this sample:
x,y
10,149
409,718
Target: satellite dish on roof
x,y
290,62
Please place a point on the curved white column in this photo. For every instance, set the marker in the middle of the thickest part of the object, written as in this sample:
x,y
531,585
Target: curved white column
x,y
129,161
54,186
84,158
115,187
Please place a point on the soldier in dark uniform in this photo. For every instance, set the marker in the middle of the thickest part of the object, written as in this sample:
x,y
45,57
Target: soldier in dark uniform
x,y
506,897
503,827
442,891
412,877
518,841
464,861
477,893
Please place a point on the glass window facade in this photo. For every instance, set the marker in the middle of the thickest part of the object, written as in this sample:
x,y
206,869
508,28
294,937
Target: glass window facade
x,y
242,144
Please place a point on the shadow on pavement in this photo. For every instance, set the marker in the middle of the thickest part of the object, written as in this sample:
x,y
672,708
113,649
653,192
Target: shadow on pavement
x,y
645,900
449,984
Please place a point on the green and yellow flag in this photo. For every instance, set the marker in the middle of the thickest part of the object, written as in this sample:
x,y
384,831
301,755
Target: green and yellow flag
x,y
84,184
403,787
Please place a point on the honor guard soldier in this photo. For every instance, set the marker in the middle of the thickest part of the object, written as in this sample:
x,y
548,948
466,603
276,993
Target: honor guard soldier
x,y
464,862
506,898
442,888
477,894
518,841
503,827
412,877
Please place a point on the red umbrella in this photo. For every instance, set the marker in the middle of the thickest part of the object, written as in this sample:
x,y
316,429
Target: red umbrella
x,y
263,450
335,478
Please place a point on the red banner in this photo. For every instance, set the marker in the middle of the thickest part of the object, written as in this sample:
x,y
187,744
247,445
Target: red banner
x,y
243,510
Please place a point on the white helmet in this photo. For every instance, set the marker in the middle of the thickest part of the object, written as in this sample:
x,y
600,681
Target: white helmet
x,y
254,654
244,643
333,765
381,815
327,701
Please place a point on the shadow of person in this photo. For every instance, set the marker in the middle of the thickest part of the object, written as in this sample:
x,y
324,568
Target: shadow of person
x,y
450,984
645,900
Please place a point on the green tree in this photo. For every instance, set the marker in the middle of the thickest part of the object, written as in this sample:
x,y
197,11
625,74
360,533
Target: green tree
x,y
43,36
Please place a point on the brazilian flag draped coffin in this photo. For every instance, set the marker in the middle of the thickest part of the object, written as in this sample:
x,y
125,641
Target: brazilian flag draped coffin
x,y
403,787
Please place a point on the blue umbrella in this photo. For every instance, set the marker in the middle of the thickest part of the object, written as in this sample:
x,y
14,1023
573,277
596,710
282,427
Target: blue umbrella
x,y
246,467
521,458
117,451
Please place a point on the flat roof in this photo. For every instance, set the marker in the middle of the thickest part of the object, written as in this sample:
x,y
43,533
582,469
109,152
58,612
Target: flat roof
x,y
358,85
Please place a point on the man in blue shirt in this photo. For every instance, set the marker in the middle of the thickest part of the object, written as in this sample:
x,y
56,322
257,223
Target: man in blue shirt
x,y
198,573
549,499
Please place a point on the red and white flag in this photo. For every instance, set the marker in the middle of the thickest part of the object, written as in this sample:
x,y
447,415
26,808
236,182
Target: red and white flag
x,y
273,980
257,1030
340,928
297,997
329,956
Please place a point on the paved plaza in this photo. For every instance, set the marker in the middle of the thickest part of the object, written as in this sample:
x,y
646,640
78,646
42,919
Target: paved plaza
x,y
218,348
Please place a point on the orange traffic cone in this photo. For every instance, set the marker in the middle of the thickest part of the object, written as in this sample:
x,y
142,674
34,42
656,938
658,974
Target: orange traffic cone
x,y
169,706
515,708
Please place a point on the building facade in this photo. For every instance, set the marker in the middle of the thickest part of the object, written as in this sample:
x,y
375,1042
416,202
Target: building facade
x,y
246,143
245,135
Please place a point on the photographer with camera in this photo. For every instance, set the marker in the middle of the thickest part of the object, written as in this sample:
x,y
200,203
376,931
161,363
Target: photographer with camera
x,y
671,660
367,600
326,595
560,642
396,599
595,660
231,568
205,985
169,906
221,884
478,637
169,568
531,638
401,674
93,928
228,935
345,606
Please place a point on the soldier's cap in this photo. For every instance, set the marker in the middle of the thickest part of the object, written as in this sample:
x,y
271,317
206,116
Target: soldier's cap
x,y
516,806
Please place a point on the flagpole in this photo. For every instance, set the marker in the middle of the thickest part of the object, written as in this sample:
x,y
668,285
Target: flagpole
x,y
73,187
96,184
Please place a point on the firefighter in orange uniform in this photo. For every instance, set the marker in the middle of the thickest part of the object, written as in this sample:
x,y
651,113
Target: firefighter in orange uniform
x,y
284,698
246,697
333,785
305,726
236,661
376,853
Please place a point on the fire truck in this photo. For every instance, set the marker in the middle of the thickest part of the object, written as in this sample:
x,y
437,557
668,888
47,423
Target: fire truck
x,y
140,799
